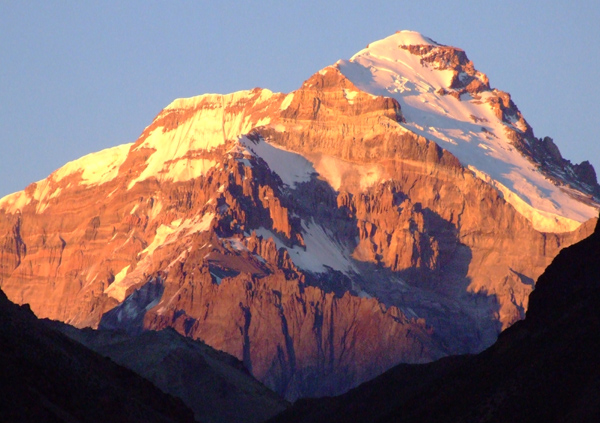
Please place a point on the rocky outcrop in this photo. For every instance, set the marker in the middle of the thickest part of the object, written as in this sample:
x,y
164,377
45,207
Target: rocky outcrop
x,y
465,78
585,173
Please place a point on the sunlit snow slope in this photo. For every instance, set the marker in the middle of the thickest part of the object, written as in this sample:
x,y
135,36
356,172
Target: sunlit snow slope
x,y
417,72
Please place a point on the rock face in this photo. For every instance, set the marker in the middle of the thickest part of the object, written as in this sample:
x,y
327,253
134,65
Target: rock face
x,y
544,368
45,376
319,236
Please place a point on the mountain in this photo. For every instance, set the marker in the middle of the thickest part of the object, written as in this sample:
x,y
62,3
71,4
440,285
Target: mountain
x,y
395,208
215,385
47,377
544,368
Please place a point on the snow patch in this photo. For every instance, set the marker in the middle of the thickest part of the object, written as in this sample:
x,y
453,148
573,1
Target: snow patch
x,y
322,251
95,169
286,101
343,174
166,234
291,167
541,220
119,276
218,279
411,38
236,244
14,202
117,289
350,94
364,294
157,207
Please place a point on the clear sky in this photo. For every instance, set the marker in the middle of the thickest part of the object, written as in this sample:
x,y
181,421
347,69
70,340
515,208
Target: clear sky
x,y
80,76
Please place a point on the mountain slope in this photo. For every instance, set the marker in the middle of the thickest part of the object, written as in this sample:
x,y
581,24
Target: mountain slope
x,y
213,384
544,368
46,376
317,236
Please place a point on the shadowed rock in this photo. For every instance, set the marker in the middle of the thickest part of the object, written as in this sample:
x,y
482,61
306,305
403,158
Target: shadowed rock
x,y
544,368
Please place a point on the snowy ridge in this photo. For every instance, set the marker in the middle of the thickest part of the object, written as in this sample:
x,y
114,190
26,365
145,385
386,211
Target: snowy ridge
x,y
466,126
94,169
202,124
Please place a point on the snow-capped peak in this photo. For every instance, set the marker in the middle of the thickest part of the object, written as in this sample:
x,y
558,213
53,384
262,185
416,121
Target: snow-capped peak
x,y
444,99
400,39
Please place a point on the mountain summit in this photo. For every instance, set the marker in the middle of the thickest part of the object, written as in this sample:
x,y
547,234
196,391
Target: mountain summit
x,y
394,208
445,99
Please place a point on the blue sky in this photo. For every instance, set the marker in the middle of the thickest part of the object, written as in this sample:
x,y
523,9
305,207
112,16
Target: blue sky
x,y
77,77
